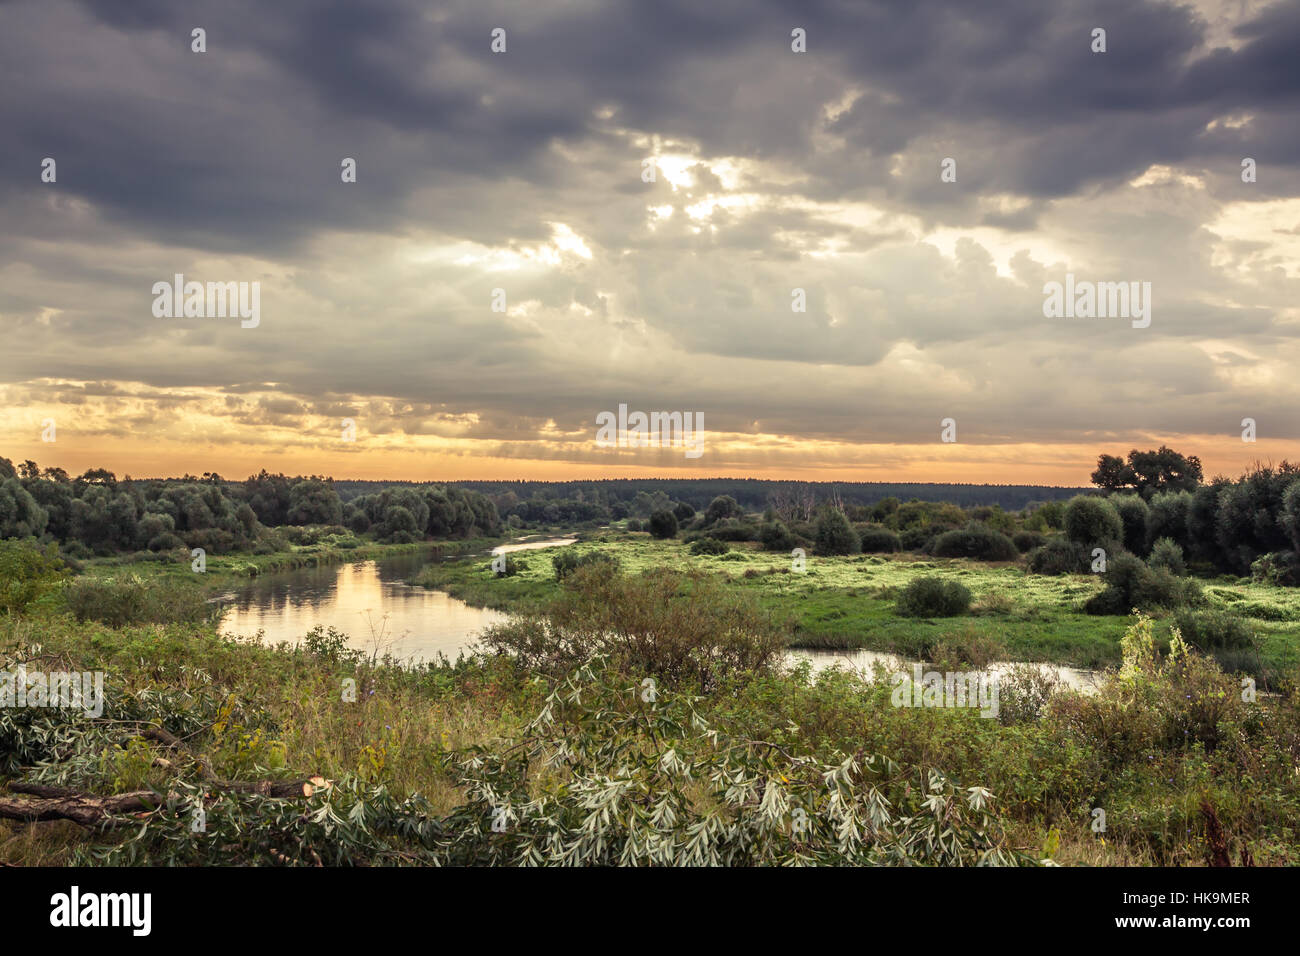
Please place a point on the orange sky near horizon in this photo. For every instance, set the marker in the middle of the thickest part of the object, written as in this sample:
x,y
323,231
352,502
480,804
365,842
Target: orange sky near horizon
x,y
1067,465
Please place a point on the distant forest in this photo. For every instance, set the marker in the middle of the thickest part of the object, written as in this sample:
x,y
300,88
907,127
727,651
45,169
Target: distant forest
x,y
753,494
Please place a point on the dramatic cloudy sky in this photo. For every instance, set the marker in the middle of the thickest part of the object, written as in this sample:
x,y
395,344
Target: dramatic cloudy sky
x,y
522,171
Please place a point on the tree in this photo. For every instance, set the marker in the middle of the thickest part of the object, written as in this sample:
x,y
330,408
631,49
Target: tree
x,y
1148,472
663,524
1093,521
834,533
314,502
20,515
721,508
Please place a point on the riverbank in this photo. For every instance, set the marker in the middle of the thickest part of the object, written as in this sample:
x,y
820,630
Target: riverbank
x,y
223,570
848,602
394,755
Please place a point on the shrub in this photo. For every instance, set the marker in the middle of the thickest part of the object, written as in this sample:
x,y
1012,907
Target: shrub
x,y
1024,692
734,530
1214,630
1091,521
1026,541
775,536
1132,512
1290,517
568,561
874,539
1280,567
27,572
662,623
512,566
1166,553
917,538
1060,556
709,546
834,533
129,600
975,541
933,597
663,524
723,506
633,524
1131,585
1168,517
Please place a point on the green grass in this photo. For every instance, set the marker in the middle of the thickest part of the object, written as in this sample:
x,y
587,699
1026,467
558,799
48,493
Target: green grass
x,y
848,602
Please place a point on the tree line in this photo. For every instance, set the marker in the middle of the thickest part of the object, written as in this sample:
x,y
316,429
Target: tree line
x,y
94,513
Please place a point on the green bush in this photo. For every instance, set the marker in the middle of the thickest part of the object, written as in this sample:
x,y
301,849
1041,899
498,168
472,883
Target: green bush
x,y
709,546
1131,585
663,524
1026,541
1092,521
875,539
775,536
1166,553
1280,567
977,541
130,600
511,566
662,623
1214,630
734,529
568,561
834,533
1132,512
933,597
27,572
1059,556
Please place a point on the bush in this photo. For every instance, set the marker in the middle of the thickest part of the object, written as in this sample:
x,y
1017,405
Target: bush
x,y
1131,585
633,524
975,541
1214,630
709,546
1166,553
918,538
568,561
1280,567
129,600
27,572
775,536
1026,541
874,539
662,623
663,524
1132,512
1168,516
512,566
834,533
933,597
1092,521
1059,556
734,530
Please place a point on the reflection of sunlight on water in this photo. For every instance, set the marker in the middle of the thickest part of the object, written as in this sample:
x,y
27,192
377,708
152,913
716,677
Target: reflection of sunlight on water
x,y
1075,678
377,615
367,601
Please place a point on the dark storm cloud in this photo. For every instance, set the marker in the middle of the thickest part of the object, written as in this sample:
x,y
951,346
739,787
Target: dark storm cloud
x,y
226,164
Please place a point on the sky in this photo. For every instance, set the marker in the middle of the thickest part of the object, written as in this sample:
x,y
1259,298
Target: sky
x,y
638,189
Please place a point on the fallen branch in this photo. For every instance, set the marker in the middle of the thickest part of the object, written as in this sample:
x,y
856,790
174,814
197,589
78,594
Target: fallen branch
x,y
60,803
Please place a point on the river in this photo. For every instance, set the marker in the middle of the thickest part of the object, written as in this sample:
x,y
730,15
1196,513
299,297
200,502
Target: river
x,y
371,602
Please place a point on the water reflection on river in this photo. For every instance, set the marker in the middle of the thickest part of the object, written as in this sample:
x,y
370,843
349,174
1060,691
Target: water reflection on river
x,y
371,602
